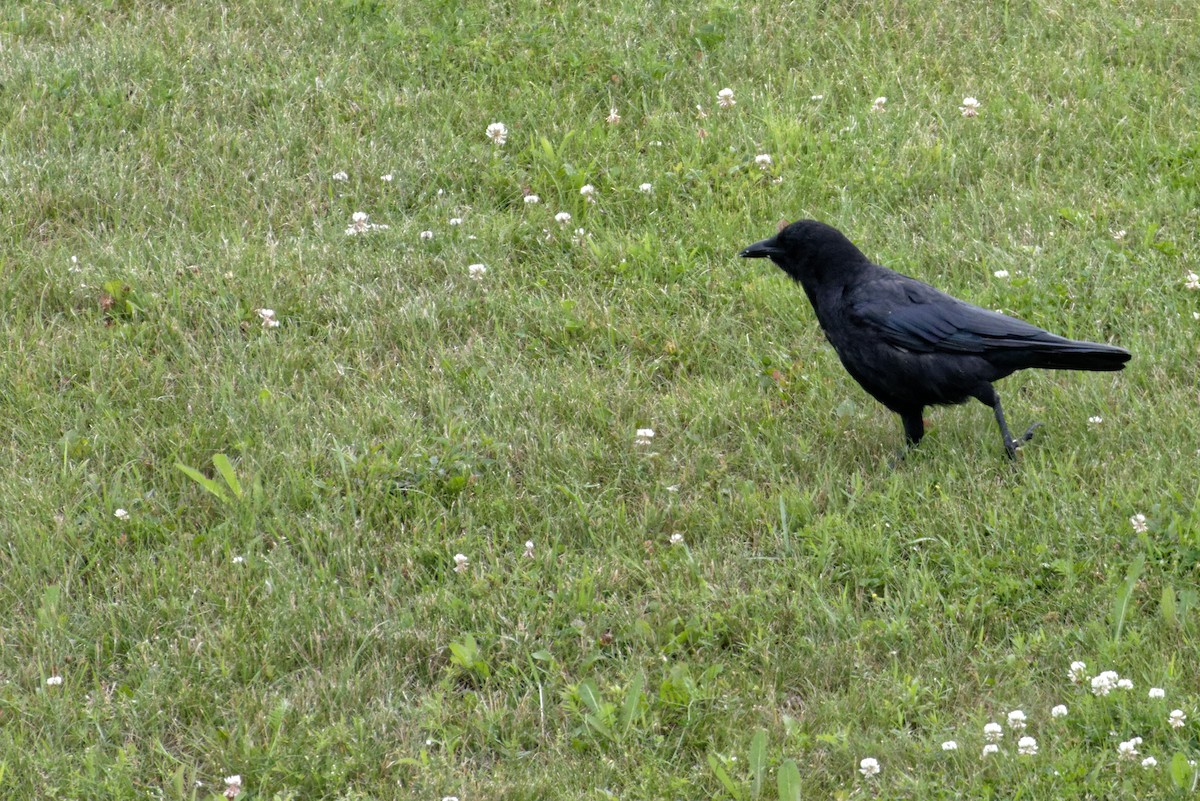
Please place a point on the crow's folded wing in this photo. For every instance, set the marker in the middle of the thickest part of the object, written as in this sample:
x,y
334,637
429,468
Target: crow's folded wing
x,y
919,318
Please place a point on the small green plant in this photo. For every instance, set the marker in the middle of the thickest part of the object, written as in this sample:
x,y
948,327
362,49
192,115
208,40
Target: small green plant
x,y
228,492
787,775
120,302
468,662
603,719
1125,593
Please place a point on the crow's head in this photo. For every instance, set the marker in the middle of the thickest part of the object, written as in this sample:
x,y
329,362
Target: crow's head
x,y
807,248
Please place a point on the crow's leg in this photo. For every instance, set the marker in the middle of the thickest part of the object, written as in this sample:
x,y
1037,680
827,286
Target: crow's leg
x,y
988,396
914,429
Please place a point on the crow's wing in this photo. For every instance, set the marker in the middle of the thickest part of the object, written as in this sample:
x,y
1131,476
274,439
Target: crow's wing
x,y
909,314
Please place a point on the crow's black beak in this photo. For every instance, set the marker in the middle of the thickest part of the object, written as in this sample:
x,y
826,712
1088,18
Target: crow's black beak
x,y
762,250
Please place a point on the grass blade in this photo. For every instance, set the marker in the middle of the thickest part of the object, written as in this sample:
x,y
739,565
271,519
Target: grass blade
x,y
221,462
633,700
202,480
590,695
723,777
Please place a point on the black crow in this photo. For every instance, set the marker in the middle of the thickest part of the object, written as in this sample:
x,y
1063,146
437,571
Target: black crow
x,y
909,345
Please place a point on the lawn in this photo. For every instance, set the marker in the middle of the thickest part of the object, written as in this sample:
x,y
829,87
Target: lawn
x,y
401,537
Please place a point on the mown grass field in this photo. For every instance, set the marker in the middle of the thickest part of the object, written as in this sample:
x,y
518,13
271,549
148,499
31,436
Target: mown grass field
x,y
744,608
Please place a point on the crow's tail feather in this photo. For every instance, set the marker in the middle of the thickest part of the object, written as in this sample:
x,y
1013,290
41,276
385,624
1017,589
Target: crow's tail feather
x,y
1073,354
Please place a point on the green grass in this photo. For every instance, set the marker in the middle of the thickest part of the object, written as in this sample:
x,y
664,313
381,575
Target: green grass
x,y
167,169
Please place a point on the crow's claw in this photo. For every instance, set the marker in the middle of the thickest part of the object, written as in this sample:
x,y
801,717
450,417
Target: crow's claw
x,y
1011,445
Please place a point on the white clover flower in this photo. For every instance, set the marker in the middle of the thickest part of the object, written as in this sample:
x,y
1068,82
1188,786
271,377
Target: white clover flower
x,y
1096,420
237,560
993,732
990,748
1192,281
969,107
1196,315
121,514
1001,273
589,193
340,176
268,318
1078,672
644,436
949,745
1177,719
359,224
1118,235
456,220
233,786
1138,522
725,98
1016,720
869,767
1128,749
54,681
1027,746
1157,692
498,133
613,117
700,112
387,179
763,160
1104,683
1059,711
528,549
1124,684
879,104
562,217
426,235
476,271
1149,762
677,539
461,563
532,199
817,97
646,188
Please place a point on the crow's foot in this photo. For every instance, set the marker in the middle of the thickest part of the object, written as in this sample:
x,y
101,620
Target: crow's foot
x,y
1011,444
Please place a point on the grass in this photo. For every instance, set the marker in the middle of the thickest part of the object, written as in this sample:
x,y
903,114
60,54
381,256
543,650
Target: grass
x,y
281,600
